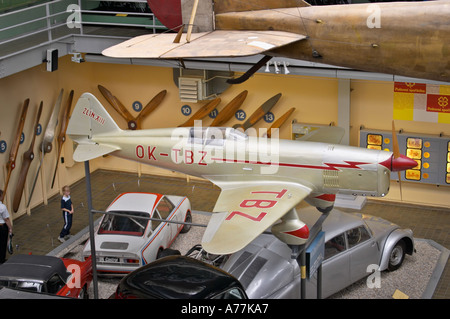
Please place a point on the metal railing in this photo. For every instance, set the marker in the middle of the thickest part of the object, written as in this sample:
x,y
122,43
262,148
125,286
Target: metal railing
x,y
32,27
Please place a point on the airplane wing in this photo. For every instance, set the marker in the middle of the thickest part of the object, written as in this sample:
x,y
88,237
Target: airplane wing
x,y
219,43
244,210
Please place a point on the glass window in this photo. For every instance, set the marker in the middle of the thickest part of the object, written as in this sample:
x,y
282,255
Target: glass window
x,y
334,246
54,284
234,293
165,207
124,225
27,285
357,235
155,223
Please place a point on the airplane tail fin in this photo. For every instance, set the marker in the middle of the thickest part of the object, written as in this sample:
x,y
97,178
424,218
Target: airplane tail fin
x,y
89,119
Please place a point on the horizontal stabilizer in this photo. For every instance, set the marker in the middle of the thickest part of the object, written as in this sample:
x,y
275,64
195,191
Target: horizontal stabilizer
x,y
245,210
86,152
217,43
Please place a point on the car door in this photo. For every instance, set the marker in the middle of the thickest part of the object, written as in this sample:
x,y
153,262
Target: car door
x,y
336,266
165,208
364,251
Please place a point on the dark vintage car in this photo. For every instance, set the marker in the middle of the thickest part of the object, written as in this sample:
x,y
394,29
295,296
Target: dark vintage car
x,y
179,277
48,275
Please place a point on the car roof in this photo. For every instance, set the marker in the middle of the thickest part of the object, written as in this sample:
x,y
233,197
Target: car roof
x,y
177,277
33,267
336,222
135,202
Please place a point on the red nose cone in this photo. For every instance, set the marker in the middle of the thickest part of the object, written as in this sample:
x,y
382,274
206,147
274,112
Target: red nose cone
x,y
402,163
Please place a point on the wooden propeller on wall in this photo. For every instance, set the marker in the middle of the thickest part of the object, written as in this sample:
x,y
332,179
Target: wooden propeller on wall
x,y
259,113
62,131
28,157
15,147
46,145
134,123
280,121
230,109
202,112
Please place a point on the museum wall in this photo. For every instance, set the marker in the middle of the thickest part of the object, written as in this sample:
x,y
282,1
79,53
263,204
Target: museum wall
x,y
372,107
38,85
314,98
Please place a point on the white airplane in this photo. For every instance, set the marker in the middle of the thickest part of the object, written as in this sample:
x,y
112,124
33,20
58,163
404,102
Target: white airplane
x,y
261,179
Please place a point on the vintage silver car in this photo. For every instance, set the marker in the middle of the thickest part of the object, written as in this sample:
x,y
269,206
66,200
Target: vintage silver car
x,y
352,243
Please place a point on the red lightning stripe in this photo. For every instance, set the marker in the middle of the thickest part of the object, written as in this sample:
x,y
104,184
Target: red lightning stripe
x,y
329,166
350,164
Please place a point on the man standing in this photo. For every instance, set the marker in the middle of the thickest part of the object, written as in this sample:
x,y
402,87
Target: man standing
x,y
5,229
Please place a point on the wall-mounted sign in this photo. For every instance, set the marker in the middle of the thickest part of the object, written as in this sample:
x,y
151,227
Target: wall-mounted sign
x,y
421,102
3,146
213,113
186,110
137,106
269,117
240,115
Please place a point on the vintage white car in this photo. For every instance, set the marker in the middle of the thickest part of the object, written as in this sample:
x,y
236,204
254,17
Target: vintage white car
x,y
128,239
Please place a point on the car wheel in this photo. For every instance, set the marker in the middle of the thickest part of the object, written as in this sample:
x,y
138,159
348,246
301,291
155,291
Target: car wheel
x,y
188,219
397,256
167,252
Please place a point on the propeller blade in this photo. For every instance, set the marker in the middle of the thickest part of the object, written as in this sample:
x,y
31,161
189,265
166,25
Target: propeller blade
x,y
395,147
15,146
51,125
124,110
115,103
280,121
260,112
230,109
62,131
202,112
151,106
28,157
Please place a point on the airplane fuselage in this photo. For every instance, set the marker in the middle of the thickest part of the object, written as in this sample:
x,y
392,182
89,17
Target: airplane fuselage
x,y
226,154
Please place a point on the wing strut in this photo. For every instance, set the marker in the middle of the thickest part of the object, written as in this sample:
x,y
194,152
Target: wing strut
x,y
244,77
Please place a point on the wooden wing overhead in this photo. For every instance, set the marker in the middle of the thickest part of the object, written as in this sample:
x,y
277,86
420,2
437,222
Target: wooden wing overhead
x,y
219,43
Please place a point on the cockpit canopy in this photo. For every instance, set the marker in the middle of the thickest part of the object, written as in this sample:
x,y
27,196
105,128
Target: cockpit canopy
x,y
215,135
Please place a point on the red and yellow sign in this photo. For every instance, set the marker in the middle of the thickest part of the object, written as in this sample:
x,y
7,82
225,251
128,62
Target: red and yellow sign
x,y
438,103
407,87
422,102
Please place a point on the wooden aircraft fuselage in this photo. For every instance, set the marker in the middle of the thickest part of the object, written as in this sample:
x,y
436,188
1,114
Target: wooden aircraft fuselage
x,y
401,38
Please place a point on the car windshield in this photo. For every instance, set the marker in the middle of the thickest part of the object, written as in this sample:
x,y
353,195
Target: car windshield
x,y
127,223
25,285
